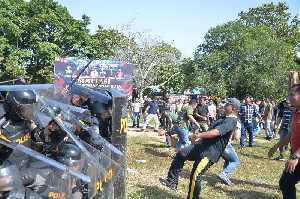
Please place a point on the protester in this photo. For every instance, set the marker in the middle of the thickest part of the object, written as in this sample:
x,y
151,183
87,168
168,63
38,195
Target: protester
x,y
212,111
283,129
246,113
173,107
179,106
256,120
268,118
161,107
230,157
202,116
168,105
262,112
274,119
281,108
145,105
171,118
205,154
152,112
182,124
185,104
220,108
291,174
136,112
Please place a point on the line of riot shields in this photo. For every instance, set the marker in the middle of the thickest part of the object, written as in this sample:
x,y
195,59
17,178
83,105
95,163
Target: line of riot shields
x,y
56,142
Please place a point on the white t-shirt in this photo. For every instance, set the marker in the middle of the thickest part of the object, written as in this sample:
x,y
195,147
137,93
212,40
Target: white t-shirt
x,y
211,110
136,107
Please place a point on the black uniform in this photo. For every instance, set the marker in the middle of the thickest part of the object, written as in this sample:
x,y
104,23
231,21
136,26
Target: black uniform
x,y
11,186
21,193
205,154
17,130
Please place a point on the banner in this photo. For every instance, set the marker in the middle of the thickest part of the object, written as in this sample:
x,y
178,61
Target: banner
x,y
104,74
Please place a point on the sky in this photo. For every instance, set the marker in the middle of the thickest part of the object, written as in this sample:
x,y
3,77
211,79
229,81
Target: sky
x,y
183,24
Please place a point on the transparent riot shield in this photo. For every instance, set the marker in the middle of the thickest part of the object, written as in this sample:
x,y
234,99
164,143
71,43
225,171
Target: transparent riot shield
x,y
90,93
48,111
48,178
11,183
79,116
29,153
101,185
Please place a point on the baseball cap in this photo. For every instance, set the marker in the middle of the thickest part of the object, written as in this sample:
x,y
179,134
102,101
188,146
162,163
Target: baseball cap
x,y
234,102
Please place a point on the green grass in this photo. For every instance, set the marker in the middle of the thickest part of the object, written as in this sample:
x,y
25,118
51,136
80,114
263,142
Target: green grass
x,y
141,121
254,165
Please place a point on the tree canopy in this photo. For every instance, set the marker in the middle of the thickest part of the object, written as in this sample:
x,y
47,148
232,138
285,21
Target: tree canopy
x,y
34,33
250,55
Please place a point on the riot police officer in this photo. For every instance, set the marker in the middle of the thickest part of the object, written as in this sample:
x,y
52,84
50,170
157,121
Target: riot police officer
x,y
100,119
15,124
10,183
70,155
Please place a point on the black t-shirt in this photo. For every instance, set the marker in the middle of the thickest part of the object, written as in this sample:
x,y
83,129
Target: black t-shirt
x,y
275,110
145,105
203,111
281,110
214,147
161,107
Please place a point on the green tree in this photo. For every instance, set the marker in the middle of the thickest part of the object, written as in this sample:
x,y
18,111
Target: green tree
x,y
108,41
285,26
237,59
250,55
33,33
186,77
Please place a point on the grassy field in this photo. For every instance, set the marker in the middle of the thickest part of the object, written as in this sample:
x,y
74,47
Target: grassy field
x,y
254,166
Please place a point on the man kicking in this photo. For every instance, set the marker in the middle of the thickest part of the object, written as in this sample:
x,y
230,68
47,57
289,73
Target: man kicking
x,y
205,154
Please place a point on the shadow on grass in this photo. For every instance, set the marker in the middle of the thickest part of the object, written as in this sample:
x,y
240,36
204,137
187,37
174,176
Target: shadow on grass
x,y
156,192
154,152
252,155
152,192
212,180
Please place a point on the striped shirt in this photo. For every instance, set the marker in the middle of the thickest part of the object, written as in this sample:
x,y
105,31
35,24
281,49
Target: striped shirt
x,y
286,115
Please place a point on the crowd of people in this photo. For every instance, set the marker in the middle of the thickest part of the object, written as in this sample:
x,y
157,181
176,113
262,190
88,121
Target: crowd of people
x,y
205,129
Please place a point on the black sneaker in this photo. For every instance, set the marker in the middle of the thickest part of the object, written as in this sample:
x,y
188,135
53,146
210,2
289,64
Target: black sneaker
x,y
281,158
172,186
155,131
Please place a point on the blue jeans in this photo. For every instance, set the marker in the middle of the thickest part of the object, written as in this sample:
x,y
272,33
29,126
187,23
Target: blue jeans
x,y
183,137
231,160
249,127
211,120
268,130
136,115
256,127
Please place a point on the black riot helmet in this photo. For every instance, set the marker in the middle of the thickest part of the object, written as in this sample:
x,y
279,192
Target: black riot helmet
x,y
68,154
98,107
21,103
9,177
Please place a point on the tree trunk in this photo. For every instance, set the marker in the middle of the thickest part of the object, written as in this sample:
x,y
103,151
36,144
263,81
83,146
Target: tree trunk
x,y
164,94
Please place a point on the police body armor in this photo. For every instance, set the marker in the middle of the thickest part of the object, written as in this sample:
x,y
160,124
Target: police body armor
x,y
21,193
16,131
